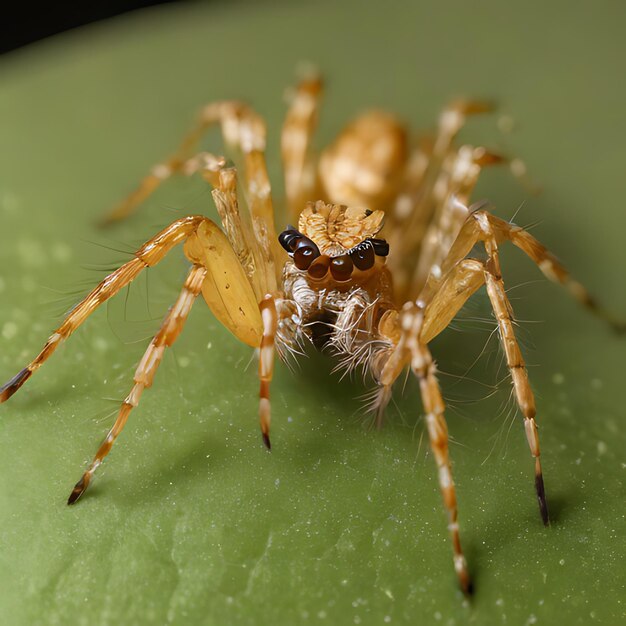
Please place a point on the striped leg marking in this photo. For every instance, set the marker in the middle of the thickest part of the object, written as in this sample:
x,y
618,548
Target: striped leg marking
x,y
424,368
266,364
295,144
148,255
144,375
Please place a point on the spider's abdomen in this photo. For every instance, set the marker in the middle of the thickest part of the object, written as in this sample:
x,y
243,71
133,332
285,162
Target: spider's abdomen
x,y
364,166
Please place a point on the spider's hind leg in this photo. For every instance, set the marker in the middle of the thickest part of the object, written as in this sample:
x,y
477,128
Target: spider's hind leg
x,y
295,144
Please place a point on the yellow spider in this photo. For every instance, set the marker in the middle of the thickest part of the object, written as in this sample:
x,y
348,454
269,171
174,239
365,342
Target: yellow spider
x,y
333,280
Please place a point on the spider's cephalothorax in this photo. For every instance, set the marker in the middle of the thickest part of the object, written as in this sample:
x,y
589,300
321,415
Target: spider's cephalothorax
x,y
330,279
336,284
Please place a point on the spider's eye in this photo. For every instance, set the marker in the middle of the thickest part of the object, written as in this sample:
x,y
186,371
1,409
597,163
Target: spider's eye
x,y
363,256
289,238
319,268
341,267
381,247
304,253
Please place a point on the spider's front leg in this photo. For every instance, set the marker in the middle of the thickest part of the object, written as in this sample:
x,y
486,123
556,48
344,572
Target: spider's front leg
x,y
216,272
410,349
147,256
144,375
269,315
444,297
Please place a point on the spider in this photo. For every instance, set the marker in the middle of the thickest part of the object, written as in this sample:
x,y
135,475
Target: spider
x,y
375,298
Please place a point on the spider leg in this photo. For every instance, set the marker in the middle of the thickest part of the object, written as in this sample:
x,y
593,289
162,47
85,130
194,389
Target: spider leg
x,y
455,288
454,187
148,255
243,130
515,362
250,240
144,375
483,226
424,368
269,316
295,144
556,272
430,211
226,289
158,175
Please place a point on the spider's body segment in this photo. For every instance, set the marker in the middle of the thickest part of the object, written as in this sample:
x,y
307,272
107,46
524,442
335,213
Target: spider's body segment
x,y
376,295
337,294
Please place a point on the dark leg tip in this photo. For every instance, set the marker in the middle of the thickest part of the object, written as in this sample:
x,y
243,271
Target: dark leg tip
x,y
266,441
77,492
541,498
466,585
8,389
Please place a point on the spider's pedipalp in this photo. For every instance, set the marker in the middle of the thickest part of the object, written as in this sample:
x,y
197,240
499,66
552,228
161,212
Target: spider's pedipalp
x,y
144,375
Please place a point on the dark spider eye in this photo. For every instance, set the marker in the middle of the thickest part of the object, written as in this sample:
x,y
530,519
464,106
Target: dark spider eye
x,y
319,267
381,247
341,267
363,256
305,253
289,238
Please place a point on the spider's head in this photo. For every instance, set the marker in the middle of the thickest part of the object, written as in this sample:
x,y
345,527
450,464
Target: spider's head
x,y
336,242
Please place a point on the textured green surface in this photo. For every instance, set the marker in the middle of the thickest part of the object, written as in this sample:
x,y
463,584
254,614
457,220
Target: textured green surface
x,y
190,521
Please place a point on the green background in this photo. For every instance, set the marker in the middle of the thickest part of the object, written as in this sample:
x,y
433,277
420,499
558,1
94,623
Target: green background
x,y
190,521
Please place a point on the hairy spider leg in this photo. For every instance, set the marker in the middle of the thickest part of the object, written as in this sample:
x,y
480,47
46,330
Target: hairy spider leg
x,y
412,350
417,325
452,119
148,255
295,145
482,225
226,289
144,375
164,170
461,277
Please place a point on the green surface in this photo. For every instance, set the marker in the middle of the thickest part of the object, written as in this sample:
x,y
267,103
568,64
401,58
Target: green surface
x,y
190,521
